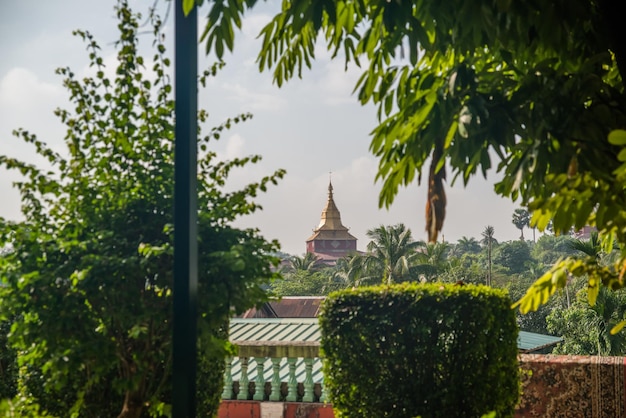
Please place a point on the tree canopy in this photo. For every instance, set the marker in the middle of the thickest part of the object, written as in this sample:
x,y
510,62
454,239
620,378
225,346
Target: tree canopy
x,y
87,280
532,89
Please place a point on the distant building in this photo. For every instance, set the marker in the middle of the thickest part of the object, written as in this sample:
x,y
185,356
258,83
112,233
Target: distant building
x,y
287,307
585,232
331,240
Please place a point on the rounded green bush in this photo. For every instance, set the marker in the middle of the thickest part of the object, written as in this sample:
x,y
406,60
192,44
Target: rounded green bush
x,y
429,350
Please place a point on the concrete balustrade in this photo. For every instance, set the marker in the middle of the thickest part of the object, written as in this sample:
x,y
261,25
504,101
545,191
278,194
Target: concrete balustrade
x,y
274,371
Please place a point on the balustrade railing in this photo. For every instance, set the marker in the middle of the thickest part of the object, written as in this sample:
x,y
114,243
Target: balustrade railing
x,y
275,371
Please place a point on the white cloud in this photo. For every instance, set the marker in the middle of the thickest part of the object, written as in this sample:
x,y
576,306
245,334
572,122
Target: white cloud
x,y
235,146
254,100
21,88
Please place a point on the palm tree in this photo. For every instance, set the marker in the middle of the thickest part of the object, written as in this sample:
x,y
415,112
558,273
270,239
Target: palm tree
x,y
586,329
390,253
521,219
488,241
431,260
349,272
307,263
591,247
467,245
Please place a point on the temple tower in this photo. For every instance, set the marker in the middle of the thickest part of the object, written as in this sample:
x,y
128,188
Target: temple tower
x,y
331,240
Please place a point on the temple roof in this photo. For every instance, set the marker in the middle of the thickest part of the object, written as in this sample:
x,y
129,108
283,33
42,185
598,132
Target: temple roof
x,y
331,222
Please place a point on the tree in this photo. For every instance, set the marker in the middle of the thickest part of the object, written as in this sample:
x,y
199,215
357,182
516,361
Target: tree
x,y
586,329
88,279
467,245
514,256
431,260
305,283
539,84
390,254
488,241
308,262
468,82
349,272
521,219
550,248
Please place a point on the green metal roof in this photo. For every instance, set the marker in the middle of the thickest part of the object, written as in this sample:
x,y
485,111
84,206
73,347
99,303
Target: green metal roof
x,y
528,342
275,329
307,329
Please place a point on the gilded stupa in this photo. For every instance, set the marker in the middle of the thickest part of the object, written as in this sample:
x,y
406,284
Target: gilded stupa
x,y
331,240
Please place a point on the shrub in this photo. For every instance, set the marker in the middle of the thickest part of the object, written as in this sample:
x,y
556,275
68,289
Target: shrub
x,y
430,350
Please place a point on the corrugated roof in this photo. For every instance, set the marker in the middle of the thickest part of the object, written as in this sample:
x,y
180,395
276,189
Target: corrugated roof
x,y
275,329
528,342
307,329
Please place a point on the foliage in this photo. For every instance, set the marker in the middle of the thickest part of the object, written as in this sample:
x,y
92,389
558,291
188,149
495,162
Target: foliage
x,y
593,265
549,248
431,261
466,245
8,364
540,85
521,219
535,321
305,283
586,329
390,253
459,270
413,349
88,282
515,256
308,262
21,408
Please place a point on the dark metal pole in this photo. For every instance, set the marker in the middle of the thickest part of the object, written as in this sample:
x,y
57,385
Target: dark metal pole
x,y
185,214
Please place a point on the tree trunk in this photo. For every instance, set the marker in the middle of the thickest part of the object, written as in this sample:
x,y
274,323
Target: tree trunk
x,y
133,405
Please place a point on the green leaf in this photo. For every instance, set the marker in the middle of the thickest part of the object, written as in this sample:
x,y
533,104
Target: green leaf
x,y
618,327
188,6
617,137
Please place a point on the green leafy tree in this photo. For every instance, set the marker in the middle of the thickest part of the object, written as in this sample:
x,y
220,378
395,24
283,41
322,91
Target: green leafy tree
x,y
586,329
550,248
539,85
8,364
514,256
88,278
350,272
466,245
391,253
308,262
431,261
305,283
521,219
528,80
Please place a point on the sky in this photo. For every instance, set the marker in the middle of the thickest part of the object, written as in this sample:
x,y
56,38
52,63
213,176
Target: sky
x,y
313,127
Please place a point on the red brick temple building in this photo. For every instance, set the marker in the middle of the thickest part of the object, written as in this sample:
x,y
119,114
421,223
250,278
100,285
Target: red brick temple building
x,y
331,240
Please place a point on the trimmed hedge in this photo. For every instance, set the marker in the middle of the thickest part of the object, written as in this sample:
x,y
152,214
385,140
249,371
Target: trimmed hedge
x,y
429,350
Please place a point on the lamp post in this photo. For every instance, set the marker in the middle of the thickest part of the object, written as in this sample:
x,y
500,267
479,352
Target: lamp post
x,y
185,213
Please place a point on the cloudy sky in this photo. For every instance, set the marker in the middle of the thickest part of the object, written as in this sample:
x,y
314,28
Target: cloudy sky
x,y
310,127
